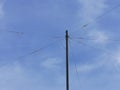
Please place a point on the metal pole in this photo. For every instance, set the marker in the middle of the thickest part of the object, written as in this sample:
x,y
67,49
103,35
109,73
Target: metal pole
x,y
67,61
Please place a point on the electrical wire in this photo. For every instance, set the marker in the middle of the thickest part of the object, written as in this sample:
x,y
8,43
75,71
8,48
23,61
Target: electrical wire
x,y
92,39
91,47
99,17
15,32
76,69
37,50
106,52
33,52
20,33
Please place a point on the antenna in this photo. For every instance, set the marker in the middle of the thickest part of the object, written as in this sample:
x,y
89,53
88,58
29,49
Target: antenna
x,y
67,61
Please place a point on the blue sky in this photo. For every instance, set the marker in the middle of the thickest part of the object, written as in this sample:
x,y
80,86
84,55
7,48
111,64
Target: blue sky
x,y
29,25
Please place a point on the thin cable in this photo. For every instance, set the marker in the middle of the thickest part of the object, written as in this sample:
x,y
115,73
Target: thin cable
x,y
108,53
76,70
91,47
91,39
33,52
37,50
63,45
59,37
99,17
20,33
11,31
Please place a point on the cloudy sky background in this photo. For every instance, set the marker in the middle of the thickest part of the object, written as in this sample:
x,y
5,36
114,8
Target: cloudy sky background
x,y
32,45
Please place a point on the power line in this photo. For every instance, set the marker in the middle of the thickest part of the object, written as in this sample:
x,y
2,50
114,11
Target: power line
x,y
37,50
33,52
106,52
92,39
15,32
99,17
20,33
91,47
76,69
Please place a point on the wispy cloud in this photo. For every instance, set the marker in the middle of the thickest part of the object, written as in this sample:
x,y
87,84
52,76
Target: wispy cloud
x,y
11,76
108,61
1,8
88,13
89,67
98,37
91,9
51,63
115,57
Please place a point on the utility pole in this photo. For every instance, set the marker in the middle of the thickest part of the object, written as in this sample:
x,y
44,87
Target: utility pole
x,y
67,61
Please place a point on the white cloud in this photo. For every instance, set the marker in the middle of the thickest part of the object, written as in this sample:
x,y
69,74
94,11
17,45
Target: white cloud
x,y
51,63
98,37
89,10
19,77
108,60
116,57
86,68
11,77
92,9
1,8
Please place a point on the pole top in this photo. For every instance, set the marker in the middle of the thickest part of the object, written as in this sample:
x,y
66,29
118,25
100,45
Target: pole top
x,y
67,34
66,31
